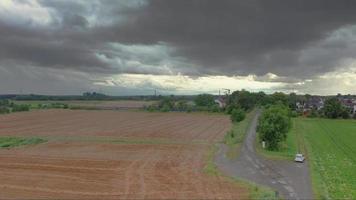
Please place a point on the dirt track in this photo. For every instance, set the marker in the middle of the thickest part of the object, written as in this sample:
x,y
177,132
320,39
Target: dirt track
x,y
89,169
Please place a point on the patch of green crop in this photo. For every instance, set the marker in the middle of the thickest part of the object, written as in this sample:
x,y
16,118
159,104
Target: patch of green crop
x,y
9,142
332,156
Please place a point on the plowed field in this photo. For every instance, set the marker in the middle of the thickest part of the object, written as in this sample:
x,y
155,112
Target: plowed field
x,y
107,154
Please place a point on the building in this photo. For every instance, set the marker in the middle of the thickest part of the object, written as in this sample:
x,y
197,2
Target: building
x,y
311,103
221,102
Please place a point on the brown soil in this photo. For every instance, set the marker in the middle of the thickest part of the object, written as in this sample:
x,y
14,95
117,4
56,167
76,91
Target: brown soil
x,y
98,170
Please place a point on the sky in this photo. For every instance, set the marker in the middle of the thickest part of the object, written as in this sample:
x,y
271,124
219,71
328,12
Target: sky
x,y
134,47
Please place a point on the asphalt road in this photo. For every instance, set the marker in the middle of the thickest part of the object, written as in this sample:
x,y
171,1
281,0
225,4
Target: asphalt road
x,y
291,180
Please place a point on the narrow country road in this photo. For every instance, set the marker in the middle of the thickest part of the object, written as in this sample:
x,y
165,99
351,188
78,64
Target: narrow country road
x,y
291,180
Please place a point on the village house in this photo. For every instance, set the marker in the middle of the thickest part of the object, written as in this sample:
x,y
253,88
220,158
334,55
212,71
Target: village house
x,y
220,101
313,102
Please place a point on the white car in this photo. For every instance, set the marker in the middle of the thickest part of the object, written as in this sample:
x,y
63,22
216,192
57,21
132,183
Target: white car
x,y
299,157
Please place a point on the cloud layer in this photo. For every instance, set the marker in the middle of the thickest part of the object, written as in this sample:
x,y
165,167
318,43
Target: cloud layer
x,y
275,41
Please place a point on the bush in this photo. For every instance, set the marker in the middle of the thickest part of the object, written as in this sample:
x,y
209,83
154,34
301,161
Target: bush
x,y
4,110
214,108
4,102
237,115
20,108
313,113
165,108
182,106
345,114
294,114
166,103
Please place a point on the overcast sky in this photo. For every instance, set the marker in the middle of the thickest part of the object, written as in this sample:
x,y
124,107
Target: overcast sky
x,y
133,47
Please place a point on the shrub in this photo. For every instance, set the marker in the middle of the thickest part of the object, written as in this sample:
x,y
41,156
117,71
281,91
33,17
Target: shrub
x,y
182,105
20,108
313,113
214,108
237,115
165,108
345,114
4,110
294,114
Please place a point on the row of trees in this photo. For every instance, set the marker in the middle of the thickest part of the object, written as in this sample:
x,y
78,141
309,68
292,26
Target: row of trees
x,y
7,106
203,102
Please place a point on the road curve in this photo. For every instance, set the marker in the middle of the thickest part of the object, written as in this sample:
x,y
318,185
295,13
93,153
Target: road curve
x,y
291,180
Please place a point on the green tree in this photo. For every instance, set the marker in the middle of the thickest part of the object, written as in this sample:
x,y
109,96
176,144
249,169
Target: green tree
x,y
182,105
274,125
332,108
242,99
204,100
167,103
237,115
280,97
292,101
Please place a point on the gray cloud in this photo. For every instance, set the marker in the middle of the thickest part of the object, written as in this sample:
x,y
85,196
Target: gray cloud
x,y
241,36
295,40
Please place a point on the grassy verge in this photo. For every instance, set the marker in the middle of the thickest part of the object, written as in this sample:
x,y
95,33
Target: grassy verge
x,y
235,137
255,191
293,144
9,142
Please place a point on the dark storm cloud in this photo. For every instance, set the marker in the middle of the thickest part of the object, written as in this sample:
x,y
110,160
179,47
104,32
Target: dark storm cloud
x,y
284,37
255,36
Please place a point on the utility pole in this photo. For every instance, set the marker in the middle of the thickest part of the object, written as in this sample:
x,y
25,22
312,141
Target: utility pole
x,y
227,91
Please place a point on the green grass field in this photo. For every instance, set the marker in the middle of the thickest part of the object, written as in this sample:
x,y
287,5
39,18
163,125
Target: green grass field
x,y
9,142
332,153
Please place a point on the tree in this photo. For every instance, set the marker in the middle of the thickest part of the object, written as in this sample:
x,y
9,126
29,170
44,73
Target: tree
x,y
242,99
237,115
345,113
166,104
204,100
332,108
182,105
274,125
292,101
280,97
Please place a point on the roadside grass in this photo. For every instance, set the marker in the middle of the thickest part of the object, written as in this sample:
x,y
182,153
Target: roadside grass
x,y
9,142
255,191
331,151
293,144
235,137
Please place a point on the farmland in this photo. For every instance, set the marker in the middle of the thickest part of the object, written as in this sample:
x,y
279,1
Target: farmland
x,y
331,147
108,154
